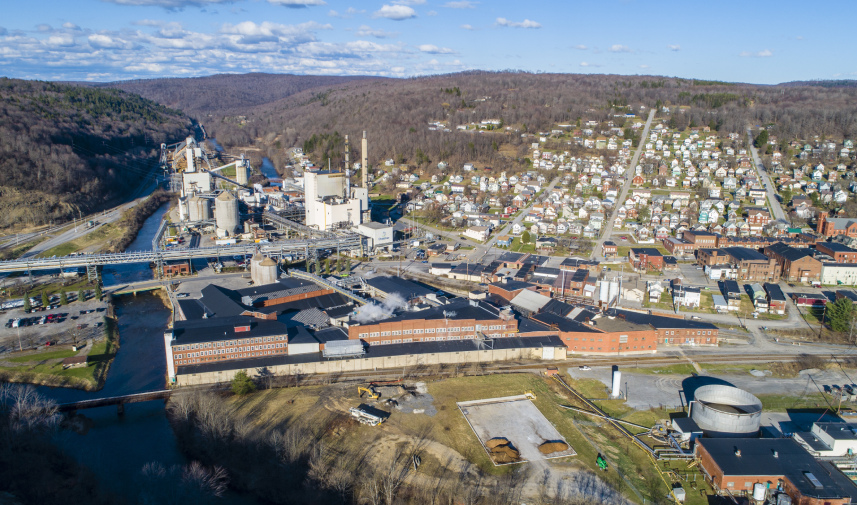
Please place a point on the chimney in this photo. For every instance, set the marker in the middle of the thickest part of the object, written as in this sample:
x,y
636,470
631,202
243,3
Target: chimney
x,y
364,163
347,154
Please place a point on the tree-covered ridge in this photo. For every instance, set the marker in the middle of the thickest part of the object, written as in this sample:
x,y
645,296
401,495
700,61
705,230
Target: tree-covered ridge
x,y
68,149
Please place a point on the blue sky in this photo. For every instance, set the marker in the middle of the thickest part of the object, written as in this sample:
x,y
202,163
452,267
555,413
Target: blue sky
x,y
102,40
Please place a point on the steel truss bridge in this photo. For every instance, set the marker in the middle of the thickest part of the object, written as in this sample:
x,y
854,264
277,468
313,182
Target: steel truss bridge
x,y
298,248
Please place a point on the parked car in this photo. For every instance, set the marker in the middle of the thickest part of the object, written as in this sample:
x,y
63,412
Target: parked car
x,y
584,367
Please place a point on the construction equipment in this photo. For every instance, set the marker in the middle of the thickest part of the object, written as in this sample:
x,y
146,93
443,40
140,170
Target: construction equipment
x,y
530,395
601,462
364,416
370,391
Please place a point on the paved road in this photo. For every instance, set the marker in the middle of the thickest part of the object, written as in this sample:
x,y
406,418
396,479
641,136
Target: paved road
x,y
629,176
764,178
482,249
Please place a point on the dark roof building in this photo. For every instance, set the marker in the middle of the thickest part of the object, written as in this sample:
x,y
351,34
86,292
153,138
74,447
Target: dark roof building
x,y
737,464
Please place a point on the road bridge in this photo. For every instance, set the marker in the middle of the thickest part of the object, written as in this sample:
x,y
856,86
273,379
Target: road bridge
x,y
296,248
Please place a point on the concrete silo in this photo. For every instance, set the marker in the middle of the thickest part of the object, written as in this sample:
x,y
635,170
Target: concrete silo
x,y
263,270
226,212
242,173
726,411
183,209
199,209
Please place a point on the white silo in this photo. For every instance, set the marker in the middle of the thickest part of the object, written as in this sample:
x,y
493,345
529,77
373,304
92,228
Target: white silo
x,y
226,212
263,270
617,383
242,173
199,208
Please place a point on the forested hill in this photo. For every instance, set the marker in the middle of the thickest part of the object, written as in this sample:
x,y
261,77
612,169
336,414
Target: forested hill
x,y
227,93
66,148
252,110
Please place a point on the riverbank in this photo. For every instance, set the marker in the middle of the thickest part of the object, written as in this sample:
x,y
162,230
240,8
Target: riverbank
x,y
47,368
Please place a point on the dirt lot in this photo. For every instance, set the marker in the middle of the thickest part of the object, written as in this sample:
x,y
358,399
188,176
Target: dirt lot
x,y
517,420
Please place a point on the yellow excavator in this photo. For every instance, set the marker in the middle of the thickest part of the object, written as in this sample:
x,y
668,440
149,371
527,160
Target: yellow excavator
x,y
370,391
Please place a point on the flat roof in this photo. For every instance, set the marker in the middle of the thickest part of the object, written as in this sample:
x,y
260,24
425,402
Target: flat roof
x,y
775,292
773,457
745,254
402,287
649,251
378,351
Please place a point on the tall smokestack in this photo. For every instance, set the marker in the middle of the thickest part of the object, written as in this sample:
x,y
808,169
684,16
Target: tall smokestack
x,y
347,154
364,164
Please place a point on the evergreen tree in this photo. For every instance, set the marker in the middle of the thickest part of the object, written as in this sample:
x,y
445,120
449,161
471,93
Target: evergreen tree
x,y
81,295
840,314
63,298
45,299
327,266
347,270
98,291
761,139
525,237
27,305
242,384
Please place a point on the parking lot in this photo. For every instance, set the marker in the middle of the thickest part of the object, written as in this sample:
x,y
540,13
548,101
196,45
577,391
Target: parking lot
x,y
77,321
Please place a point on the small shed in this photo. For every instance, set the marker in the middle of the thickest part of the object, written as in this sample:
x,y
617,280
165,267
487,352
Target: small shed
x,y
74,362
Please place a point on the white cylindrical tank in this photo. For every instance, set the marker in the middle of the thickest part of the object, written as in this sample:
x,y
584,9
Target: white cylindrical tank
x,y
199,209
263,270
241,173
759,492
617,383
226,212
726,411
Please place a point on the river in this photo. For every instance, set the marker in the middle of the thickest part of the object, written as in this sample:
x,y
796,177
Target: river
x,y
116,447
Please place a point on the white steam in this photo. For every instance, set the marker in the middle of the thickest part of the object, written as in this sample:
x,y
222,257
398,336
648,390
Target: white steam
x,y
374,312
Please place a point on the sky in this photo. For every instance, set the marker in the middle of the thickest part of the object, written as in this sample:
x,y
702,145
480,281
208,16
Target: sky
x,y
762,42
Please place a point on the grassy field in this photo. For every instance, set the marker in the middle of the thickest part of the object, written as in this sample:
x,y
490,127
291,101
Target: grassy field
x,y
15,252
99,237
518,246
631,470
46,367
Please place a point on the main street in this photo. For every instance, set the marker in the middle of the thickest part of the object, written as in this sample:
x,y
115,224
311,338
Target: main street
x,y
775,207
629,176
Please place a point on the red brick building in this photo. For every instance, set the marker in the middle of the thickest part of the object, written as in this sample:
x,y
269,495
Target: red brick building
x,y
840,253
608,249
735,465
758,216
831,227
700,238
646,258
679,246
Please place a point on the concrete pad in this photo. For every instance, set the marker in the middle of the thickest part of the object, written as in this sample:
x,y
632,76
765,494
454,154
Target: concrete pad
x,y
516,419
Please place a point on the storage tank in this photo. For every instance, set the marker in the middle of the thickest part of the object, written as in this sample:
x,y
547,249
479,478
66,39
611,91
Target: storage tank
x,y
199,208
242,175
759,492
726,411
263,270
226,212
617,383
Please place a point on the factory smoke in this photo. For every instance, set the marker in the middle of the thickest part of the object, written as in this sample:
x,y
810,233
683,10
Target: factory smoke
x,y
374,312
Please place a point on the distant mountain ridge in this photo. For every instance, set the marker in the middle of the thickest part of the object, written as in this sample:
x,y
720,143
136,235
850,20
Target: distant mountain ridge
x,y
227,93
68,150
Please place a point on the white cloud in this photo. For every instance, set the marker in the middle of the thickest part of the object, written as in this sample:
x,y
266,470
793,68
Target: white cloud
x,y
581,47
168,4
349,13
619,48
467,27
409,2
674,47
431,13
514,24
433,49
461,4
764,53
587,64
395,12
70,26
644,66
368,31
298,4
